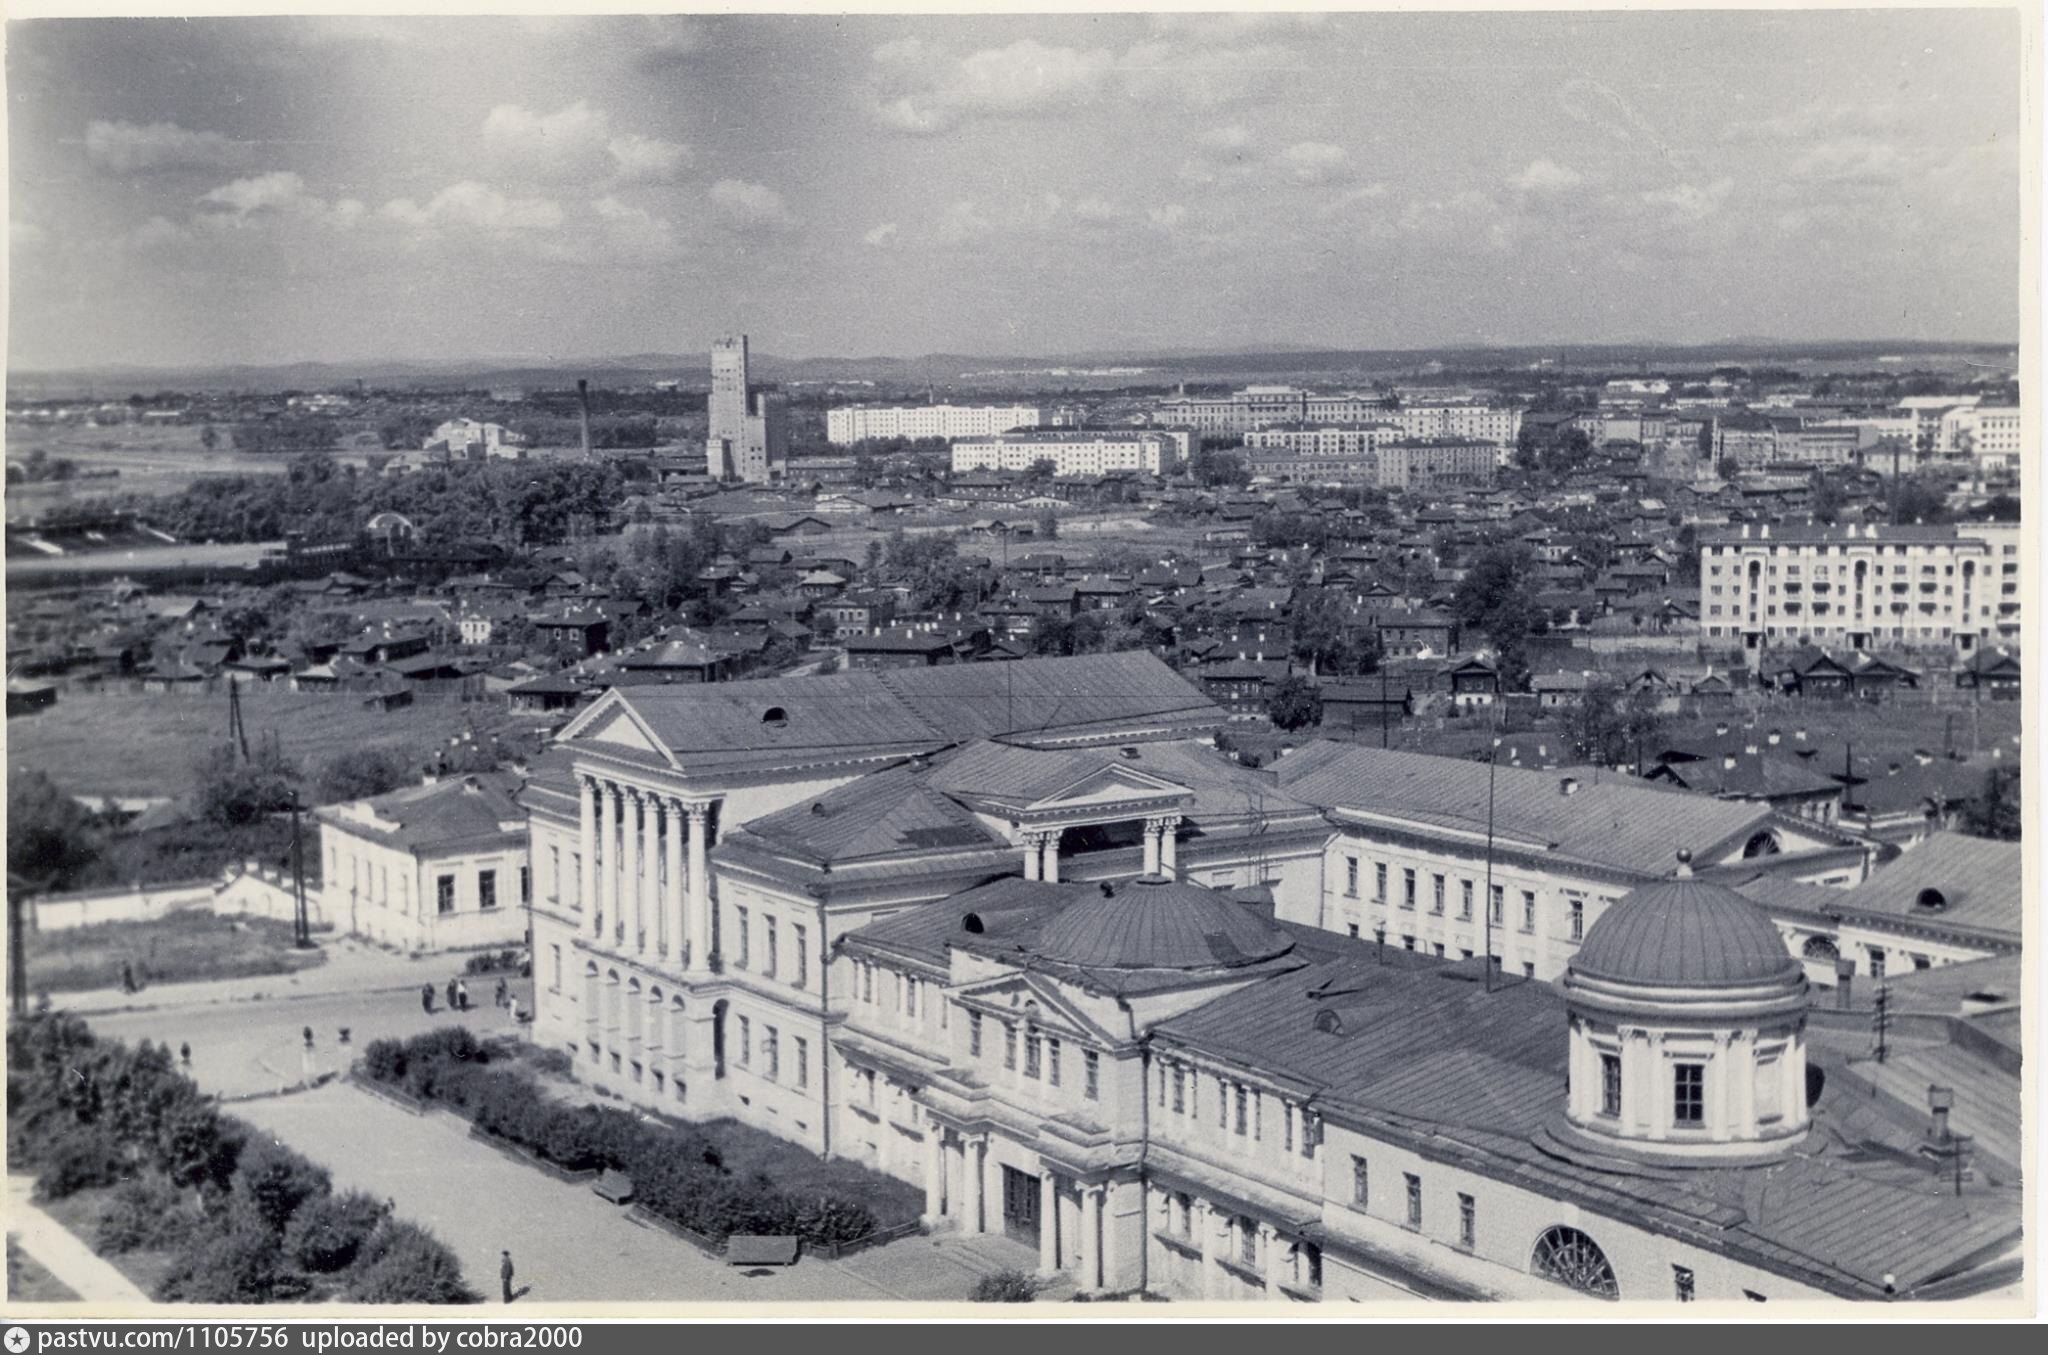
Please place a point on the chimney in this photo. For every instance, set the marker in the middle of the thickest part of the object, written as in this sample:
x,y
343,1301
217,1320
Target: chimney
x,y
1773,738
1720,729
1568,785
1728,762
583,403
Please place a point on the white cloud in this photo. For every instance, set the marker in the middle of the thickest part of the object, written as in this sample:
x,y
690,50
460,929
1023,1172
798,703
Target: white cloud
x,y
156,233
277,196
473,206
630,232
922,92
575,144
1546,175
881,235
1687,203
1314,161
751,205
963,221
1851,161
134,148
1227,138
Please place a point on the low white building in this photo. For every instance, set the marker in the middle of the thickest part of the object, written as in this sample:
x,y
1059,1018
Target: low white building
x,y
441,866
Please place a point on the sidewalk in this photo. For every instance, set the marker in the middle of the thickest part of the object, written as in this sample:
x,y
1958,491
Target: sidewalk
x,y
64,1256
352,967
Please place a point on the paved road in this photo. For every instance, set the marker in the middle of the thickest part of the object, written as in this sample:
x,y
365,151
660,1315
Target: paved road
x,y
568,1245
61,1253
352,967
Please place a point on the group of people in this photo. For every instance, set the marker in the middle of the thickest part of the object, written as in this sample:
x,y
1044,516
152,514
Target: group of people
x,y
458,997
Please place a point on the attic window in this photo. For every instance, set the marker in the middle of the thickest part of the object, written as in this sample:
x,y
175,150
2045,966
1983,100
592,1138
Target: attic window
x,y
972,924
775,717
1329,1023
1129,753
1933,900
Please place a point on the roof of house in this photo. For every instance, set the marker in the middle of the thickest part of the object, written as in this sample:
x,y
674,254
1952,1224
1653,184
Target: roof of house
x,y
439,813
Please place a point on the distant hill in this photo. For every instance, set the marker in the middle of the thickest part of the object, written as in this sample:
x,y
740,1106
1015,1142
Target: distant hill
x,y
1171,364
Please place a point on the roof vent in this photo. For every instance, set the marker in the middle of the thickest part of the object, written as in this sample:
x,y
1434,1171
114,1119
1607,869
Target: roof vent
x,y
1108,888
1568,785
1129,753
1931,899
972,924
775,717
1329,1023
818,808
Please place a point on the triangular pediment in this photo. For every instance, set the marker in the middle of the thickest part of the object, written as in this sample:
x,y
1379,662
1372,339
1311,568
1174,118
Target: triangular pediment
x,y
614,722
1038,1000
1112,785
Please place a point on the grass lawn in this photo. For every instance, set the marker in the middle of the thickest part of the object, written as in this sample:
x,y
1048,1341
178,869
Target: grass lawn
x,y
81,1214
28,1282
139,744
175,949
747,1150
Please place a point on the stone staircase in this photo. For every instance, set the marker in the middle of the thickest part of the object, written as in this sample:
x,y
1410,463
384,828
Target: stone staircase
x,y
945,1266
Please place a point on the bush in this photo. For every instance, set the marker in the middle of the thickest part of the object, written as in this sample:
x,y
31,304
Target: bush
x,y
829,1219
235,1261
384,1061
83,1160
275,1181
493,962
403,1263
1005,1286
146,1214
568,1138
327,1233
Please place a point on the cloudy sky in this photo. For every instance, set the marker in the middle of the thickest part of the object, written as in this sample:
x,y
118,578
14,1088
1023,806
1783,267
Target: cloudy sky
x,y
278,189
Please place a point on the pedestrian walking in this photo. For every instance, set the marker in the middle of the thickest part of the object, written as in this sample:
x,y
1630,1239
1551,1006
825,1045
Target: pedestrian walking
x,y
451,996
427,998
185,1054
307,1035
461,995
504,996
505,1274
127,977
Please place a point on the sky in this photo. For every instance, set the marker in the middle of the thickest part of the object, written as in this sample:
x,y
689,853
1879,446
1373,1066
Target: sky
x,y
271,190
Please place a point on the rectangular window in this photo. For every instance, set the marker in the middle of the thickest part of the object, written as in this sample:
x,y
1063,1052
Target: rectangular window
x,y
1287,1126
1689,1094
803,960
1179,1090
487,889
1578,919
867,988
1032,1064
1465,900
557,985
576,869
525,884
554,874
1091,1075
771,1053
910,986
1243,1111
1010,1046
1379,882
1610,1084
1052,1061
1497,904
1311,1133
444,893
1414,1199
1350,877
768,947
801,1051
1468,1221
1408,888
1436,895
974,1034
1876,963
746,1052
1681,1284
740,930
1528,910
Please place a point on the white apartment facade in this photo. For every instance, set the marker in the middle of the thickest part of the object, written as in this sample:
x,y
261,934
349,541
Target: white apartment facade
x,y
1151,451
849,424
1857,586
1422,463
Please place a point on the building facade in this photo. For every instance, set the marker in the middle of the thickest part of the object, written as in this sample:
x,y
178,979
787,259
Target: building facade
x,y
849,424
748,435
442,866
1076,452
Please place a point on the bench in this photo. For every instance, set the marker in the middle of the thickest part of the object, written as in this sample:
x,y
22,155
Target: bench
x,y
760,1249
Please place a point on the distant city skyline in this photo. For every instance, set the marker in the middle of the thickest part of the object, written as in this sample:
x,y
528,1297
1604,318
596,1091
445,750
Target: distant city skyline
x,y
274,190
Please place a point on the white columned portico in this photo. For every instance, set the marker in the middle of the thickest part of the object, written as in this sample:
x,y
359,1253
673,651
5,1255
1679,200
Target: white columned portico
x,y
934,1174
605,860
629,867
1091,1237
1051,873
971,1186
1048,1223
700,888
1269,1259
1034,856
586,865
675,911
1205,1232
1169,846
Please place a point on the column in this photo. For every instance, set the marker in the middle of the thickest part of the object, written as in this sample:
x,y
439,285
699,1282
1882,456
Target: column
x,y
674,942
700,889
1269,1260
1052,857
1034,855
586,877
608,874
1151,846
1742,1090
1720,1097
629,923
1169,847
1048,1223
972,1186
1091,1237
1656,1086
1205,1233
934,1175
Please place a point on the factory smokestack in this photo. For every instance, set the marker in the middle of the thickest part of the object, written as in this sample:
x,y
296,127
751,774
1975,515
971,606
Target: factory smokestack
x,y
583,401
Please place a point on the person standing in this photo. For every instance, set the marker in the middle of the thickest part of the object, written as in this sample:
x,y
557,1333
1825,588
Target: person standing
x,y
451,995
185,1054
127,976
505,1274
504,995
427,998
461,996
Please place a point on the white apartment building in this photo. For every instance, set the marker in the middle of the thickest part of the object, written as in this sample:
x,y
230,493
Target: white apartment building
x,y
1475,422
1989,434
849,424
466,437
1856,586
442,866
1077,451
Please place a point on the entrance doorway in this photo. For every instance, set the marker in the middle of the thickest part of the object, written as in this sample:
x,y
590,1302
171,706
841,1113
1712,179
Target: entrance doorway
x,y
1020,1206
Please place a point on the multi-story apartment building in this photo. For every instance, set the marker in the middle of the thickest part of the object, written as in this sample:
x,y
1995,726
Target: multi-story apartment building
x,y
1077,451
1769,586
1319,453
1259,407
1987,434
849,424
1424,463
1476,422
748,437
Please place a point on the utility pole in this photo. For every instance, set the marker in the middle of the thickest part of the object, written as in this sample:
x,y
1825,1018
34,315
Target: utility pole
x,y
17,951
1492,763
238,737
302,931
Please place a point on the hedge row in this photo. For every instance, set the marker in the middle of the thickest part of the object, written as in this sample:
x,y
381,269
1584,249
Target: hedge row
x,y
244,1219
677,1173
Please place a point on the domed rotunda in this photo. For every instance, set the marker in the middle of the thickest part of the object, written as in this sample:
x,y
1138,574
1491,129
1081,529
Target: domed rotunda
x,y
1688,1028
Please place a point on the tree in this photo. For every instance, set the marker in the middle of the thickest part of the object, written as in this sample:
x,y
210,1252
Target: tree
x,y
1295,703
1048,525
209,436
1595,724
404,1263
359,773
1996,812
275,1182
1495,598
1215,469
51,840
233,793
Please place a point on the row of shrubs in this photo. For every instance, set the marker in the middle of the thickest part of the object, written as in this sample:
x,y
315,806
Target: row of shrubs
x,y
677,1172
495,962
244,1219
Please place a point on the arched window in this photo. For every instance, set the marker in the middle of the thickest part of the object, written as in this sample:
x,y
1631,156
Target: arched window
x,y
1763,844
1820,948
1568,1257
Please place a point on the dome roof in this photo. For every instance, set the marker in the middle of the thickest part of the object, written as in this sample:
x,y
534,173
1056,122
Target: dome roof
x,y
1155,923
1685,933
